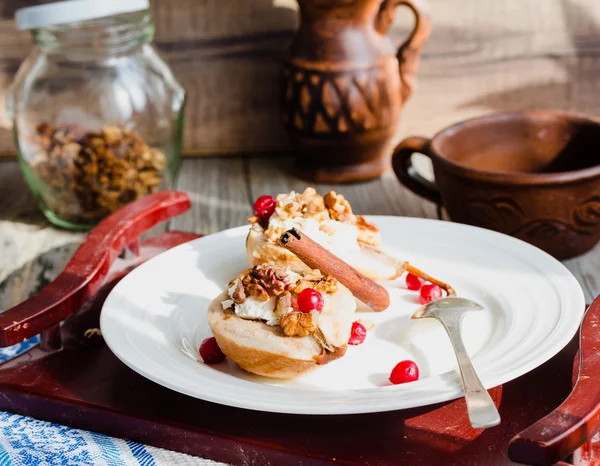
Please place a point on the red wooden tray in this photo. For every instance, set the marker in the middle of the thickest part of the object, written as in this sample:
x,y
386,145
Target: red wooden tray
x,y
75,380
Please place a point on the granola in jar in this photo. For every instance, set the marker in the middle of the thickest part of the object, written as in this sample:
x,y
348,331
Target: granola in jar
x,y
97,114
86,175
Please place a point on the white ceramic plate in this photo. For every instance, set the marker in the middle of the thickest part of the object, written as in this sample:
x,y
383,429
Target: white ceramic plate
x,y
155,320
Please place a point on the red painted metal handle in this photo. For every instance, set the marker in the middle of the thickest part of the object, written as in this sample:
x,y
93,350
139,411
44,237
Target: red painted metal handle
x,y
88,268
577,420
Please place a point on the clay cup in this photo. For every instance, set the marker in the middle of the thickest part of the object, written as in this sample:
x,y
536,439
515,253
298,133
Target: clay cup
x,y
533,174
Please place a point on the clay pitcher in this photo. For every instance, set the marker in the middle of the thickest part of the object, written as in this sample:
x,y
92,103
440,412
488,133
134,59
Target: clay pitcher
x,y
344,85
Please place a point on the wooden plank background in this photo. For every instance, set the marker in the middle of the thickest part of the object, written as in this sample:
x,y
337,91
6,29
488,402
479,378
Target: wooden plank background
x,y
483,56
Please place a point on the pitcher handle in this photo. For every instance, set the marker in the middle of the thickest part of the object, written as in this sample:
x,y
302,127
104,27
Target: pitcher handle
x,y
410,50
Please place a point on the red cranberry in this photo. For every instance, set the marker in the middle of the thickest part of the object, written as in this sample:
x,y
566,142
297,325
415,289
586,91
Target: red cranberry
x,y
429,293
358,334
309,300
413,282
405,371
210,351
264,207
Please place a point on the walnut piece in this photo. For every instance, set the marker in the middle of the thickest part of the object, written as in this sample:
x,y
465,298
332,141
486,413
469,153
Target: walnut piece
x,y
307,205
274,279
239,293
339,208
297,324
302,285
317,281
327,284
256,291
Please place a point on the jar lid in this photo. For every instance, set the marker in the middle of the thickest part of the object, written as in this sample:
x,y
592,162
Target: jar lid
x,y
54,14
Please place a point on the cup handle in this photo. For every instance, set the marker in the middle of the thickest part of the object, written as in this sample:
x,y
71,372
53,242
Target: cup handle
x,y
410,50
406,173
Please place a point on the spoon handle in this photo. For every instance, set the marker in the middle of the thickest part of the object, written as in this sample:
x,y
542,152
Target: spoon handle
x,y
481,408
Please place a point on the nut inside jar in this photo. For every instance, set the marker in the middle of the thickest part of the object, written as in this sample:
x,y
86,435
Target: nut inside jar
x,y
86,175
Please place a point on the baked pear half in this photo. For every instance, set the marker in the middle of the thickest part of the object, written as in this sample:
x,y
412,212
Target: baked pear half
x,y
277,323
329,221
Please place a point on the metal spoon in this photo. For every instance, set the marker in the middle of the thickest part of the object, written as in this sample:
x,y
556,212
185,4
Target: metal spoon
x,y
450,312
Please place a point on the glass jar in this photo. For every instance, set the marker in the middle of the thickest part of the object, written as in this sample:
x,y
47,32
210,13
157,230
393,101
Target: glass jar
x,y
97,114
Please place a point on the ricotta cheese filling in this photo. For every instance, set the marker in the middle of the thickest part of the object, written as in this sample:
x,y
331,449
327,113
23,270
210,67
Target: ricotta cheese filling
x,y
253,308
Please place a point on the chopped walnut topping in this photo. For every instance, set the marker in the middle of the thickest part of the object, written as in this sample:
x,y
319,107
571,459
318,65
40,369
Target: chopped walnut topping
x,y
315,280
260,282
257,292
274,279
302,285
239,294
308,205
327,284
339,208
254,288
315,206
297,324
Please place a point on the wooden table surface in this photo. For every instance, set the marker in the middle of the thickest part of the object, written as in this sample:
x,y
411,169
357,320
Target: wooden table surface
x,y
32,252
